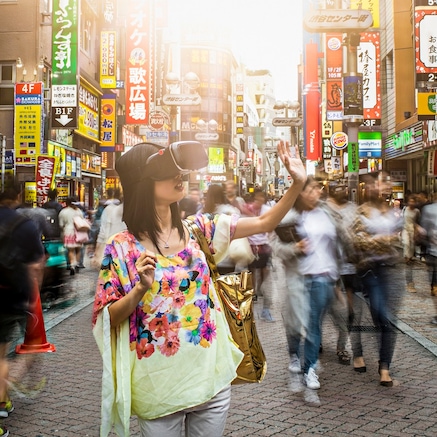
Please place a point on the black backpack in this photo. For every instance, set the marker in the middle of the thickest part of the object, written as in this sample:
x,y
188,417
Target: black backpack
x,y
53,231
15,287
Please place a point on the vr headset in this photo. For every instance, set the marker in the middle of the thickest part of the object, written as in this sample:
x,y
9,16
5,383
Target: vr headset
x,y
181,157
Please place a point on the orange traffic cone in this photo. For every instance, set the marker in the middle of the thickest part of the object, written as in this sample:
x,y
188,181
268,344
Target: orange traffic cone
x,y
35,340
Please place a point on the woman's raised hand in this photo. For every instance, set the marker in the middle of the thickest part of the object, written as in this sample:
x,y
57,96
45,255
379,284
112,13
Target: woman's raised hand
x,y
292,162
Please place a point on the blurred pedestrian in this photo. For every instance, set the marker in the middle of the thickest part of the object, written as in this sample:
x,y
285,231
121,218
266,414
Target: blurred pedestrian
x,y
191,204
53,203
173,359
215,203
410,230
375,232
422,199
287,247
66,223
347,308
320,239
19,269
429,223
111,223
232,197
262,264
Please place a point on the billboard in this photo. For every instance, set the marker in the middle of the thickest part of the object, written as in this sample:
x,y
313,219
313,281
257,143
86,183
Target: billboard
x,y
138,61
28,121
369,65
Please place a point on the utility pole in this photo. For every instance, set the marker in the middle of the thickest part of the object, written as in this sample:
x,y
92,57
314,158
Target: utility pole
x,y
353,112
350,22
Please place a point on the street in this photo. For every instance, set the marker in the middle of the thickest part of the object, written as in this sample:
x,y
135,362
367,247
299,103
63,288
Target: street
x,y
348,403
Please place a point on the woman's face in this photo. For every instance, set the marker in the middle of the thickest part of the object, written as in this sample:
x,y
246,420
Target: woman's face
x,y
169,190
311,195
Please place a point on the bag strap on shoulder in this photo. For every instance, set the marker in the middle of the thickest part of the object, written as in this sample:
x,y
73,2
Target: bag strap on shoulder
x,y
203,243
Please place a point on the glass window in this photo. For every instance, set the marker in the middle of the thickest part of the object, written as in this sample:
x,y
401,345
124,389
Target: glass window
x,y
7,81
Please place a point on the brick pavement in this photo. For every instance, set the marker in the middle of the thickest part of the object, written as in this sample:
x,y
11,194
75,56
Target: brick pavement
x,y
347,403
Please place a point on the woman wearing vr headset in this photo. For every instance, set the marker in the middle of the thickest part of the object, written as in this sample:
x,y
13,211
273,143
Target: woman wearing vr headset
x,y
168,356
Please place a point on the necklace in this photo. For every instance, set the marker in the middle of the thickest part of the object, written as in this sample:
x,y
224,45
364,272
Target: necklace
x,y
166,245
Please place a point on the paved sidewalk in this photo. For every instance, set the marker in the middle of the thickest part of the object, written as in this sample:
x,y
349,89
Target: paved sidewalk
x,y
348,403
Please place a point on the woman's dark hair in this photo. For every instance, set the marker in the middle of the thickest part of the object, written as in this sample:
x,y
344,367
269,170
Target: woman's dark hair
x,y
69,202
139,212
214,196
299,204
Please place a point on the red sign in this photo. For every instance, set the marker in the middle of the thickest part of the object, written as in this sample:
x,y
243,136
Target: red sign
x,y
369,65
334,76
158,119
138,62
45,169
312,101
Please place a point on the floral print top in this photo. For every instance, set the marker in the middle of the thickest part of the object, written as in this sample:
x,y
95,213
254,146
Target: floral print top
x,y
177,333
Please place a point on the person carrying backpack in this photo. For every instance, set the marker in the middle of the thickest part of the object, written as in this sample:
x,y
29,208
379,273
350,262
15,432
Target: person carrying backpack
x,y
21,255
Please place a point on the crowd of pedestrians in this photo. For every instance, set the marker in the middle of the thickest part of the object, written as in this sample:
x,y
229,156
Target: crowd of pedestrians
x,y
338,257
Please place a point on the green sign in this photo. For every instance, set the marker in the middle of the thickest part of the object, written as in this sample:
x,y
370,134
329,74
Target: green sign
x,y
353,160
64,42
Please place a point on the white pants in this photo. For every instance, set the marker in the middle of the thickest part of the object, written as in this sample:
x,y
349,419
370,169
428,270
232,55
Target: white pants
x,y
208,419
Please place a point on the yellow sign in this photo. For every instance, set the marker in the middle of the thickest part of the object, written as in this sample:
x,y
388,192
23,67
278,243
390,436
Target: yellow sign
x,y
108,59
368,5
28,121
427,104
89,111
216,162
30,192
108,123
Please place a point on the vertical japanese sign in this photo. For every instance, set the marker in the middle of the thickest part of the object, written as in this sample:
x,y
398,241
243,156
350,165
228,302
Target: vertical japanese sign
x,y
28,122
64,64
369,66
45,174
107,126
239,106
109,13
313,137
108,59
138,62
334,77
425,18
353,163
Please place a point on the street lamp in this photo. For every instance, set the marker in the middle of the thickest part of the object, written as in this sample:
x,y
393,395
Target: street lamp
x,y
181,93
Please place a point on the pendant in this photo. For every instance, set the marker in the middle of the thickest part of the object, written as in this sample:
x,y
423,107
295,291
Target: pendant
x,y
166,246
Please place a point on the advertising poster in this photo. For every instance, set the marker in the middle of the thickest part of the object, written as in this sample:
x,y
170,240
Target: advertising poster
x,y
28,121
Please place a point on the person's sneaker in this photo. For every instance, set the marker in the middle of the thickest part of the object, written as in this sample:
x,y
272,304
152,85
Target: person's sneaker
x,y
295,366
266,316
6,408
311,380
3,431
434,320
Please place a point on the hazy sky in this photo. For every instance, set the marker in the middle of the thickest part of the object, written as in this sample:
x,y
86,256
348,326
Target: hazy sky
x,y
266,35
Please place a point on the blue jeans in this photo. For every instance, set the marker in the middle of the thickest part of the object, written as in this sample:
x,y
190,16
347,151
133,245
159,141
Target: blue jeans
x,y
320,291
376,283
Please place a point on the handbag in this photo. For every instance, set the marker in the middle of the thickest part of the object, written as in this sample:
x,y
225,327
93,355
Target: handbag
x,y
81,224
235,292
81,237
